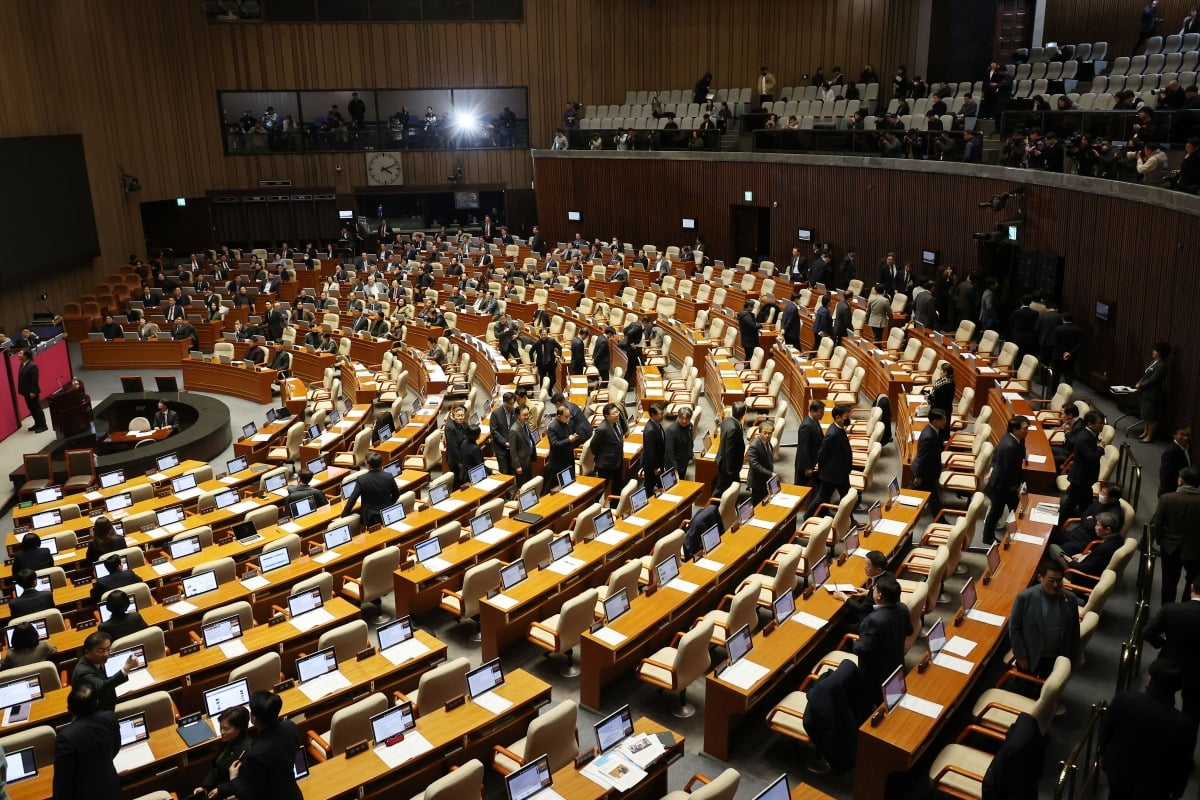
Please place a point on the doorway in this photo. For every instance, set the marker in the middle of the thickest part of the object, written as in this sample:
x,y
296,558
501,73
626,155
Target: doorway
x,y
1014,26
751,235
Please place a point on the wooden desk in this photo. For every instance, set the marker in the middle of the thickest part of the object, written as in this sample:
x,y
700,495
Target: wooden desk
x,y
121,354
898,742
95,496
652,620
130,438
253,384
1039,470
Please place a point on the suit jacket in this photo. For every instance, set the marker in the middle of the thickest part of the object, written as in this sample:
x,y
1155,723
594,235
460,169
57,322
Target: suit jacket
x,y
267,769
105,688
835,711
32,601
1025,625
1175,631
928,464
808,447
925,309
1174,458
887,276
1095,561
167,419
705,518
1085,468
520,450
546,353
748,326
124,625
377,490
1006,465
500,424
1017,767
762,467
300,491
822,324
32,559
835,458
607,446
732,449
789,323
601,357
113,580
880,646
678,449
27,380
562,449
843,320
654,446
1147,745
83,758
578,356
1177,519
504,334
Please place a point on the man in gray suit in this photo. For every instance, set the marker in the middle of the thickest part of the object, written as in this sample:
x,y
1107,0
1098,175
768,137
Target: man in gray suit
x,y
1044,623
90,670
679,443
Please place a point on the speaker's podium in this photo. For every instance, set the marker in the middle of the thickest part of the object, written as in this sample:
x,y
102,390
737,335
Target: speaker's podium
x,y
70,409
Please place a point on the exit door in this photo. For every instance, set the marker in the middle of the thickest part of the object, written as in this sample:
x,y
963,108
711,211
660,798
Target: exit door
x,y
751,231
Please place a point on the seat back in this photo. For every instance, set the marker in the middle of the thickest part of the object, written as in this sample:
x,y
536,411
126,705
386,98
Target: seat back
x,y
52,616
464,783
290,542
554,734
624,577
352,723
536,549
444,682
671,544
158,707
322,580
226,569
1052,689
377,572
260,673
240,609
346,640
722,787
152,638
727,506
576,616
785,572
46,671
692,658
41,738
477,582
742,609
1099,596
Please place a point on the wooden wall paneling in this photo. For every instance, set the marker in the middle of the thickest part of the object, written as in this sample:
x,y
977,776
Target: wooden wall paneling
x,y
1112,21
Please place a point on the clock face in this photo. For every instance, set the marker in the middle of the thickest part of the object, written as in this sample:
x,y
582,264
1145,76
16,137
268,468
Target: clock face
x,y
383,169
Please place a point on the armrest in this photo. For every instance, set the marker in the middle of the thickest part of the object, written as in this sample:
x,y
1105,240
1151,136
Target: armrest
x,y
277,610
988,732
348,581
951,768
846,639
1017,674
195,638
1016,712
675,639
946,511
504,751
697,778
669,668
317,746
550,631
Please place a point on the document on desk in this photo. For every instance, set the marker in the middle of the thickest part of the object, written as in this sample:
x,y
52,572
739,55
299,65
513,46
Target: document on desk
x,y
229,480
670,498
401,753
848,588
436,564
502,601
890,527
565,565
1027,539
609,636
166,568
926,708
489,484
785,500
680,585
744,674
953,662
291,527
575,490
493,535
326,557
325,685
243,507
261,437
450,504
1035,458
492,702
405,651
181,607
92,497
986,617
187,494
1044,517
614,769
629,448
908,500
809,620
765,524
959,646
709,564
133,756
233,648
255,583
637,521
311,619
612,537
138,679
642,749
157,477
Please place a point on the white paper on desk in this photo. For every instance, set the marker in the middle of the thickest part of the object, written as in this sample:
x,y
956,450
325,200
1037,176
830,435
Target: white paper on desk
x,y
355,414
680,585
62,556
436,564
959,646
424,412
93,496
817,381
327,684
986,617
229,479
405,651
728,373
848,588
181,607
609,636
575,490
255,583
175,527
1027,539
138,679
261,437
809,620
133,756
908,500
648,749
311,619
502,601
187,494
493,535
233,648
890,527
636,429
291,527
765,524
861,552
1032,428
744,674
953,662
163,569
614,769
326,557
709,564
401,753
987,370
1036,459
612,537
1012,396
670,498
488,484
637,522
242,507
785,500
926,708
492,702
1043,517
565,565
157,477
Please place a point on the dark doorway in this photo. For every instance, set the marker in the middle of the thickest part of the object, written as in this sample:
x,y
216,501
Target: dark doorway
x,y
1014,26
751,232
183,229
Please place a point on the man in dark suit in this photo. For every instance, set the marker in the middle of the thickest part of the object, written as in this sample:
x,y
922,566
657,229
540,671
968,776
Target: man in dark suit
x,y
847,271
703,518
679,443
85,749
1044,623
111,329
861,602
1085,468
117,577
886,274
1146,744
1071,425
822,320
1005,478
1176,523
761,459
1175,632
166,418
1067,339
90,670
731,450
631,343
30,599
601,355
748,328
520,443
797,269
506,333
267,769
579,353
927,466
537,242
301,490
821,269
375,488
28,387
808,444
31,555
500,424
843,316
120,622
172,313
546,354
881,635
184,331
789,322
654,446
834,459
275,322
1176,457
563,441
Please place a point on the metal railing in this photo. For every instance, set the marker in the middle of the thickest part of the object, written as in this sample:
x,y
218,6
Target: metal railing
x,y
1128,475
1079,769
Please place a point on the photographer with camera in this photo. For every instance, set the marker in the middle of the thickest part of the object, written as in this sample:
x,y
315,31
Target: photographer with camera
x,y
1187,177
1035,150
1013,153
1152,165
890,146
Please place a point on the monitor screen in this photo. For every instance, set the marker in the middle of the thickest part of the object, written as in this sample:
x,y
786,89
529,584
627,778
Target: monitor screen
x,y
348,488
111,479
302,507
180,548
392,469
512,574
667,570
784,606
275,482
392,722
438,493
485,678
383,433
689,223
615,605
46,519
202,583
336,537
231,695
851,540
39,625
101,569
936,638
739,644
316,465
42,584
669,479
894,489
603,522
308,600
534,776
274,559
477,473
118,502
527,500
22,690
993,559
272,415
875,514
481,524
333,419
245,531
314,431
222,630
611,730
167,461
968,595
169,515
133,729
711,539
319,663
430,548
392,514
819,573
778,790
236,465
561,547
226,498
638,500
19,765
804,235
48,495
249,429
773,486
929,256
894,688
744,512
565,478
395,632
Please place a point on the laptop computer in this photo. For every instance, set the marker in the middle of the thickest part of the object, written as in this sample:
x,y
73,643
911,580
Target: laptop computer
x,y
231,695
302,507
135,742
39,625
778,790
111,479
201,583
525,501
393,514
247,533
530,780
17,695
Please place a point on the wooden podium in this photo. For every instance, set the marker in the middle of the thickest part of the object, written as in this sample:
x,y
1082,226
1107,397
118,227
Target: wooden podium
x,y
70,409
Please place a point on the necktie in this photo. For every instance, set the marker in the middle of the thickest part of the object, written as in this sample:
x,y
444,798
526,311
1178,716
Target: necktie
x,y
529,434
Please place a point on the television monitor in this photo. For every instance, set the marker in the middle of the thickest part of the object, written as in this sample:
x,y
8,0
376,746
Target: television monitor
x,y
200,583
133,729
804,235
272,560
613,729
48,495
739,644
231,695
111,479
638,500
711,539
430,548
181,548
46,519
275,482
669,478
485,678
929,257
222,630
226,498
118,502
574,216
477,474
819,573
20,765
689,224
236,465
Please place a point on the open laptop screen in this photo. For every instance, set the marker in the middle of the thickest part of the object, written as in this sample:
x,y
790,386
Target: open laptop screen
x,y
615,605
19,765
230,695
316,665
529,779
395,632
614,728
202,583
739,644
778,790
133,729
512,574
485,678
111,479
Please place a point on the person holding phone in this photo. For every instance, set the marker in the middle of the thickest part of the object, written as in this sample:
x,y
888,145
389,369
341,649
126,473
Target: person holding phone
x,y
233,742
267,768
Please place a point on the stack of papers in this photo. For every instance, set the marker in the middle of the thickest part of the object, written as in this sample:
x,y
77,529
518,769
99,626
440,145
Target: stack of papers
x,y
637,521
959,646
405,651
709,564
133,756
166,568
436,564
809,620
493,535
953,662
986,617
926,708
890,527
492,702
311,619
233,648
255,583
680,585
609,636
181,607
614,769
785,500
327,684
326,557
670,498
503,601
744,674
488,484
401,753
575,490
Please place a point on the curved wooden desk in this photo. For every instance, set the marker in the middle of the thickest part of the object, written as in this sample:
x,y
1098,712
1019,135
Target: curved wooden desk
x,y
231,379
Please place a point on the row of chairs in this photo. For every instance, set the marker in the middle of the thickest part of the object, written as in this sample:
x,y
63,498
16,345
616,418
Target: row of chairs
x,y
1084,52
1172,43
1143,83
1054,71
1155,64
